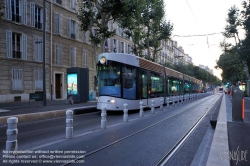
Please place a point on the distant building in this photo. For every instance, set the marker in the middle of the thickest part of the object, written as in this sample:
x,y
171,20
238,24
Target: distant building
x,y
206,68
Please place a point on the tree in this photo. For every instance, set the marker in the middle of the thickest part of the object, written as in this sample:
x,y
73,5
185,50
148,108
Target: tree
x,y
1,13
232,68
160,32
131,20
241,48
94,17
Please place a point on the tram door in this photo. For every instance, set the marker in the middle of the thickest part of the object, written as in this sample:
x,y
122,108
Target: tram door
x,y
144,86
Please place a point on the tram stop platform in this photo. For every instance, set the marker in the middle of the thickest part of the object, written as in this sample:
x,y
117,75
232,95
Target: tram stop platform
x,y
231,141
33,111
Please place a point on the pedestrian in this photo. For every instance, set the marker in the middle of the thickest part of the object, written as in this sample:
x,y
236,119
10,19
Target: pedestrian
x,y
70,98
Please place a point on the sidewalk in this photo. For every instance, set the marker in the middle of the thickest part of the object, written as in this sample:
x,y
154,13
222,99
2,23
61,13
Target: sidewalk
x,y
36,110
231,141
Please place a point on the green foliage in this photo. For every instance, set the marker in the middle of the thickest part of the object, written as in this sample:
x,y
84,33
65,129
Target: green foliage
x,y
94,17
1,12
143,21
235,60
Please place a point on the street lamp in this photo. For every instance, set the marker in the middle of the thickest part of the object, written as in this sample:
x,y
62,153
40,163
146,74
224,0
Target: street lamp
x,y
44,72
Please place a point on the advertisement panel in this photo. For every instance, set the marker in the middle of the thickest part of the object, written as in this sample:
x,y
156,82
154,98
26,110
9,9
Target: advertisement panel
x,y
72,84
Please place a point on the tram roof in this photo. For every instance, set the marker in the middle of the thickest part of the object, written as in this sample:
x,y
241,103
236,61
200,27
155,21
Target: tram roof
x,y
134,60
121,57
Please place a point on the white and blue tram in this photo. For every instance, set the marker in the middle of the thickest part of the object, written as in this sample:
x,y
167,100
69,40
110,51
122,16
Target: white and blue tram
x,y
125,78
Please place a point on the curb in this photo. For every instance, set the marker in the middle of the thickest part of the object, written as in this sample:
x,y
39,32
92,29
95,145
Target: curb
x,y
30,117
34,116
220,139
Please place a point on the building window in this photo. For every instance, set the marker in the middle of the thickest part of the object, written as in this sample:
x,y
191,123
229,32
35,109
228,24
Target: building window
x,y
73,57
36,16
58,55
121,47
58,24
16,45
73,5
38,75
38,49
17,79
84,37
16,10
60,2
114,46
72,29
85,59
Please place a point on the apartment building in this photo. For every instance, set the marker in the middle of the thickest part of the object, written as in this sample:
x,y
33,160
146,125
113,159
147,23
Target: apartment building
x,y
21,48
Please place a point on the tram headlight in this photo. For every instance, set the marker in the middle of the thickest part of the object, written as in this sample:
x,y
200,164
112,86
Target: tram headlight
x,y
112,101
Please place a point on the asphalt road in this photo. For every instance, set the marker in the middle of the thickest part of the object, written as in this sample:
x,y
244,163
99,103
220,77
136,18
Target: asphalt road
x,y
141,141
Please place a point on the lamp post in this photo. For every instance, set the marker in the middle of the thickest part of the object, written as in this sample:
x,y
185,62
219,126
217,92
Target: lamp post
x,y
44,72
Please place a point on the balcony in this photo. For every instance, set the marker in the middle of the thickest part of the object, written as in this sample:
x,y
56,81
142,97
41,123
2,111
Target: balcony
x,y
73,36
59,2
17,54
16,18
39,25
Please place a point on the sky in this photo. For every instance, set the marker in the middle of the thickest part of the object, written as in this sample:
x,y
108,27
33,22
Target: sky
x,y
200,17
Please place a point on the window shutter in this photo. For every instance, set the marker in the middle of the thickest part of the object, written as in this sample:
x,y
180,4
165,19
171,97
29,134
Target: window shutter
x,y
36,49
74,57
41,15
32,14
57,27
63,3
69,27
60,54
57,54
41,50
24,15
77,30
47,20
126,48
60,24
84,39
120,47
24,46
108,40
36,78
8,10
9,44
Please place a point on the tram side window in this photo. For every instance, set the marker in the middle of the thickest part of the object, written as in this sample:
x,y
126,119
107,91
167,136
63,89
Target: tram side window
x,y
109,80
129,82
156,85
186,87
143,84
174,87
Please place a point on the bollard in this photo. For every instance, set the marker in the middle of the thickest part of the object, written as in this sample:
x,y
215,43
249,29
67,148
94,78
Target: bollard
x,y
69,124
161,106
152,106
177,102
125,115
168,103
173,102
12,131
141,109
103,119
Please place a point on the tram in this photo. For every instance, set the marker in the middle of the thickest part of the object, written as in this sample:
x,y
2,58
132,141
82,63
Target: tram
x,y
125,78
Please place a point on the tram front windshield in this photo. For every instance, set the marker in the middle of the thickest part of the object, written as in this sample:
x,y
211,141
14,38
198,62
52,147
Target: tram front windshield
x,y
109,83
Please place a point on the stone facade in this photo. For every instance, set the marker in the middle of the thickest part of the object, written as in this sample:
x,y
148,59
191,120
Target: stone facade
x,y
21,56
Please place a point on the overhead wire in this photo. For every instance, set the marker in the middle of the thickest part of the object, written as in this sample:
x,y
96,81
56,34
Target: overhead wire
x,y
191,10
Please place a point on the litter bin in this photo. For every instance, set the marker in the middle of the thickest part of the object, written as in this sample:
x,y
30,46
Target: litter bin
x,y
237,97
